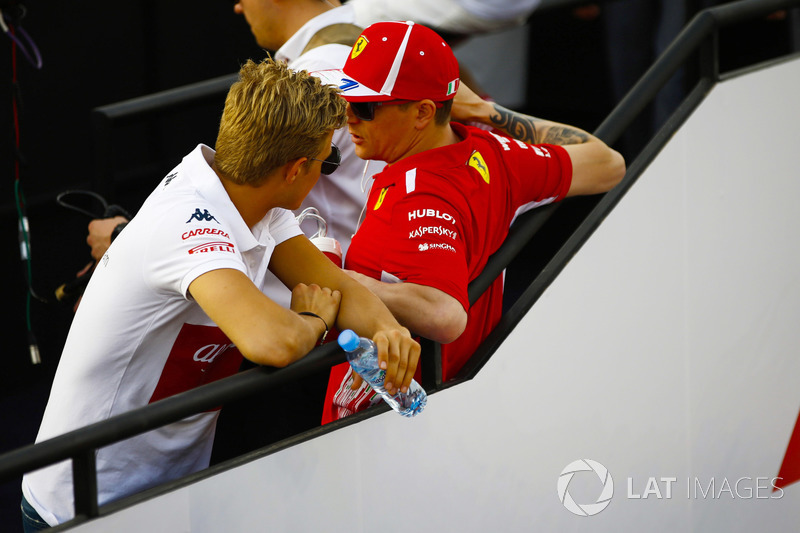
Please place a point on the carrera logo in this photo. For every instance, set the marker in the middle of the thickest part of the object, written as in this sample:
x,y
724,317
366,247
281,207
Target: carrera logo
x,y
433,230
361,43
204,231
218,246
431,213
424,247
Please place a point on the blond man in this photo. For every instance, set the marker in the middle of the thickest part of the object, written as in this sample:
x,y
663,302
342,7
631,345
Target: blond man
x,y
176,301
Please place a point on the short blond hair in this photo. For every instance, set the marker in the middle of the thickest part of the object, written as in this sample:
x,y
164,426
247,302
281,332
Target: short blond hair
x,y
273,115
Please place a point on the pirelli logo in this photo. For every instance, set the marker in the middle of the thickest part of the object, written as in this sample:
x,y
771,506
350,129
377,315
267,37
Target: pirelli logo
x,y
218,246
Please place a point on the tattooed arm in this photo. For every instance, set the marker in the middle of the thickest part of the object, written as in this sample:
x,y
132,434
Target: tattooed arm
x,y
469,107
596,167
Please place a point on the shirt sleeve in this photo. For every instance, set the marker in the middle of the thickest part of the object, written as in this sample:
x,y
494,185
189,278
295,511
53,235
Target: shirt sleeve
x,y
545,176
283,225
426,245
537,174
179,252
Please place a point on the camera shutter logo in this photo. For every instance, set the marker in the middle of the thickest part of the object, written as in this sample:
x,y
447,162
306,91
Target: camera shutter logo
x,y
586,509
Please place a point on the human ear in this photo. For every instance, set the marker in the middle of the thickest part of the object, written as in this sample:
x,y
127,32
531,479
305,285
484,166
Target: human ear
x,y
293,169
426,112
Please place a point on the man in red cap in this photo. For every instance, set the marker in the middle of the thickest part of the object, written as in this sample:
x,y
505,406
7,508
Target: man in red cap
x,y
445,200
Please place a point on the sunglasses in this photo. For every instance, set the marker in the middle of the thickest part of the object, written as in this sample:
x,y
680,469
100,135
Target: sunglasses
x,y
366,110
330,163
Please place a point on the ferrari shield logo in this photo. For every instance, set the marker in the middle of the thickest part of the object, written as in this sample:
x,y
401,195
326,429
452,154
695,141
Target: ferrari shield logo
x,y
361,43
477,162
381,197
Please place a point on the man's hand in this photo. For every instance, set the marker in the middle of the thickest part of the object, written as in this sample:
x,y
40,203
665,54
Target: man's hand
x,y
99,238
321,301
398,354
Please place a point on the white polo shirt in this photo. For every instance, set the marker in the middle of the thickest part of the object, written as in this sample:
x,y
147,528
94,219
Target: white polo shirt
x,y
138,336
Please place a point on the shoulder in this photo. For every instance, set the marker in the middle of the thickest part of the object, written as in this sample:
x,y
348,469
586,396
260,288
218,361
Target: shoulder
x,y
325,57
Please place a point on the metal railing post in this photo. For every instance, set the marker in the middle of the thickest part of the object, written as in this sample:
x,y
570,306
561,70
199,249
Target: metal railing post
x,y
84,482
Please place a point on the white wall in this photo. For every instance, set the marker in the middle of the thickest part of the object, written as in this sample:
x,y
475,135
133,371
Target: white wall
x,y
668,347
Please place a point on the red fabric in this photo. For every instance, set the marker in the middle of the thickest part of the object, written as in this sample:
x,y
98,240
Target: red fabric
x,y
427,67
790,468
435,218
335,381
199,355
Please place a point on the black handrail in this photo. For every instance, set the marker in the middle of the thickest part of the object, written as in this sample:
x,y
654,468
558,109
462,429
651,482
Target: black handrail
x,y
81,444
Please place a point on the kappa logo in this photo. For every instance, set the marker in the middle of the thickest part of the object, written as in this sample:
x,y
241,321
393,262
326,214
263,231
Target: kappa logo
x,y
200,217
361,43
218,246
477,162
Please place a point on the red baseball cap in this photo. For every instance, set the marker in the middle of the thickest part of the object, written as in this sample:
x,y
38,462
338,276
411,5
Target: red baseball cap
x,y
398,60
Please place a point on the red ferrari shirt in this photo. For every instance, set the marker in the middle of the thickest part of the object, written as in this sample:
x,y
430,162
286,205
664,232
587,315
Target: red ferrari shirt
x,y
434,219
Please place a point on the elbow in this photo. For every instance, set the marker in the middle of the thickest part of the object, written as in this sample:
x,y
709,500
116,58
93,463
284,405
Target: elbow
x,y
273,352
613,171
448,326
610,171
617,169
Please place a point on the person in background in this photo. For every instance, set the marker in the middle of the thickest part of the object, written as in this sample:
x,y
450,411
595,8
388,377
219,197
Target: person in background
x,y
177,300
449,18
444,202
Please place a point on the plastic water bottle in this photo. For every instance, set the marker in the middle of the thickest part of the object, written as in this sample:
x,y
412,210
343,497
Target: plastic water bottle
x,y
362,354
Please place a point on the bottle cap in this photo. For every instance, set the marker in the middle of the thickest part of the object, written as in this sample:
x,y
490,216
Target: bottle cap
x,y
348,340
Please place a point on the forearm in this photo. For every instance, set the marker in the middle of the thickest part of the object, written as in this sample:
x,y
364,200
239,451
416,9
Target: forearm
x,y
596,168
362,310
531,130
425,311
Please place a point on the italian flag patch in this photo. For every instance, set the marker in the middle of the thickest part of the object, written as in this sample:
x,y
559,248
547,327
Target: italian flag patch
x,y
452,87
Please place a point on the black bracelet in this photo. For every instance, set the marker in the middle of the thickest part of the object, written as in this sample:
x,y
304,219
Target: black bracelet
x,y
309,313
